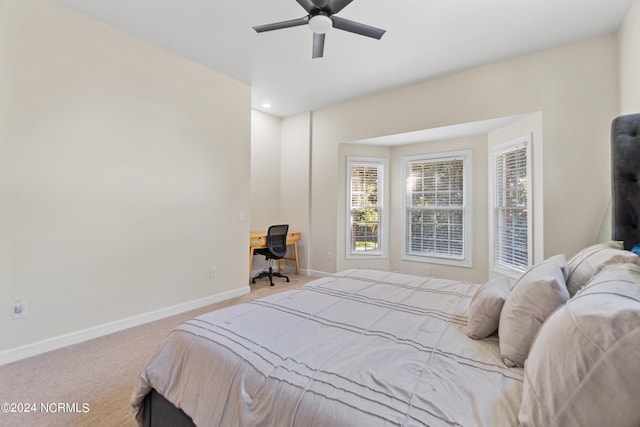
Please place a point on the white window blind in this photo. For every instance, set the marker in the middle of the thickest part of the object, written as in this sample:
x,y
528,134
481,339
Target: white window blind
x,y
512,229
366,190
435,208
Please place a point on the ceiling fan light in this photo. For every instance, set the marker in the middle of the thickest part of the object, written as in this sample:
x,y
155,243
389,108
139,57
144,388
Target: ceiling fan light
x,y
320,24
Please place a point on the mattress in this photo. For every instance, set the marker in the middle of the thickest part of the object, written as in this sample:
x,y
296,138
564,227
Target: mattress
x,y
360,347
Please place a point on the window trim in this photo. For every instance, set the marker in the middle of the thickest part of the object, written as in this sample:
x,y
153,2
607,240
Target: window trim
x,y
512,145
467,208
382,252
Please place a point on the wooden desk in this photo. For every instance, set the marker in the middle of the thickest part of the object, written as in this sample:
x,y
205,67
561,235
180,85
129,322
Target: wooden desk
x,y
258,239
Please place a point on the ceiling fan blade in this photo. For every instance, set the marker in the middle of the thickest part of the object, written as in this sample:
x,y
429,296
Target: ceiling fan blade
x,y
283,24
310,6
320,4
318,45
357,27
336,6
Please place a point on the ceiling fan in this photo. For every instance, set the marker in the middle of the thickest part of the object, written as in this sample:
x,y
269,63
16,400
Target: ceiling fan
x,y
320,19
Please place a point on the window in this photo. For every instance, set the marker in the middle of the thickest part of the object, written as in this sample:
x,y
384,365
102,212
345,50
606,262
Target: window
x,y
511,201
436,212
365,206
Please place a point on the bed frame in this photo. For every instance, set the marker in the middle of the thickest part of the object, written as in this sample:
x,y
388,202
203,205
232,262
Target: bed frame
x,y
625,143
625,158
159,412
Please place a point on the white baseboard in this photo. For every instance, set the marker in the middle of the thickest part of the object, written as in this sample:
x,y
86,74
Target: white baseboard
x,y
49,344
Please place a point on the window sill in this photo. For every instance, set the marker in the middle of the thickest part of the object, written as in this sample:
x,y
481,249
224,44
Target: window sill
x,y
466,263
507,272
366,256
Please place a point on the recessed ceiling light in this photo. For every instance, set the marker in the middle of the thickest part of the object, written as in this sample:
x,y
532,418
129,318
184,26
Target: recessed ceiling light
x,y
266,105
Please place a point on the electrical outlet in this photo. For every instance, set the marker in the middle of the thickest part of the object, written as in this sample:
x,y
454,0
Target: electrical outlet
x,y
212,273
19,309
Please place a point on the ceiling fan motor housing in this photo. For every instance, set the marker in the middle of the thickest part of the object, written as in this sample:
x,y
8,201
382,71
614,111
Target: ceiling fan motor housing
x,y
320,24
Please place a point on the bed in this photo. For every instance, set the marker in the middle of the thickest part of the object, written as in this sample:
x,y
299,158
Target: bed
x,y
559,347
361,347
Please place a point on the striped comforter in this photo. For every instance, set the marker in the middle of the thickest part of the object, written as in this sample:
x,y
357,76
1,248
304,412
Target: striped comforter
x,y
358,348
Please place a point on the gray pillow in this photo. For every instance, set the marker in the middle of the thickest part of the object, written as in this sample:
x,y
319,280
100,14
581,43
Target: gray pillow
x,y
589,261
534,297
485,308
582,370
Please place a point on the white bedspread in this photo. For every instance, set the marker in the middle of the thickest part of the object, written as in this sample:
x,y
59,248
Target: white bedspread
x,y
359,348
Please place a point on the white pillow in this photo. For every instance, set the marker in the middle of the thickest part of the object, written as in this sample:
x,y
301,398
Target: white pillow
x,y
583,368
485,308
589,261
534,297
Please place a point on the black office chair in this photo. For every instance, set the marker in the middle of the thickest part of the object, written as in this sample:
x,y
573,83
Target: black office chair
x,y
276,249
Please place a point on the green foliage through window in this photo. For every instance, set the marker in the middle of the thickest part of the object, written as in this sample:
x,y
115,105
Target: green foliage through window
x,y
366,188
511,209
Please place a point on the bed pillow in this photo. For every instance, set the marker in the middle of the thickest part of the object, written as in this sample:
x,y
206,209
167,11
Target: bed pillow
x,y
582,370
589,261
540,291
485,308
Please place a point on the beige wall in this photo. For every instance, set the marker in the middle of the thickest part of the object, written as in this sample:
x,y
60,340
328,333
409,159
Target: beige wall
x,y
575,89
629,42
265,170
294,180
123,172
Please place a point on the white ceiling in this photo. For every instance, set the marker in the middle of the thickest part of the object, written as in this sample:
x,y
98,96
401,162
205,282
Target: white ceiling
x,y
425,39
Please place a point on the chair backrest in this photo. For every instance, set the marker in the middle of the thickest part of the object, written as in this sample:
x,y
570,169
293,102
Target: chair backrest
x,y
277,240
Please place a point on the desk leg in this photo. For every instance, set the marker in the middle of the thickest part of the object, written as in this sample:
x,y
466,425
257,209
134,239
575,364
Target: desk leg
x,y
295,250
250,262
